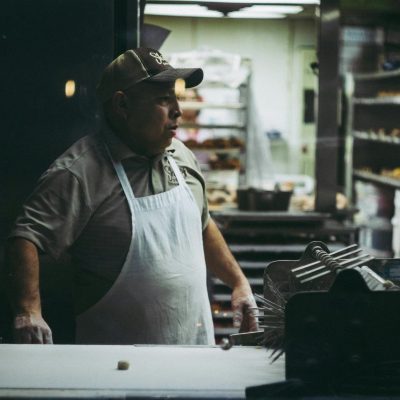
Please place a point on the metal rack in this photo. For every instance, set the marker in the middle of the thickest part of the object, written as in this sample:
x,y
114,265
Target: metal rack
x,y
221,129
372,148
258,238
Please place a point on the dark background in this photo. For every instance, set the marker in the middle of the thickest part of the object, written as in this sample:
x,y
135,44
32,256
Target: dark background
x,y
43,44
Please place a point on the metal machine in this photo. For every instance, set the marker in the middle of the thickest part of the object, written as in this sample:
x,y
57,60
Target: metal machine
x,y
340,326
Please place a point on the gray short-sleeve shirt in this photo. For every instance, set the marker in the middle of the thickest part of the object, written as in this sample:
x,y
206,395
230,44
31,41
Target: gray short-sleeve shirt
x,y
79,207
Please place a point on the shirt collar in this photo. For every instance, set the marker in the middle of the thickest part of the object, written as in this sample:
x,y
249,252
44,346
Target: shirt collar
x,y
120,151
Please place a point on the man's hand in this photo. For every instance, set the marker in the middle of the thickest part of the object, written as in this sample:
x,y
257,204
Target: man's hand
x,y
22,262
223,265
31,328
244,314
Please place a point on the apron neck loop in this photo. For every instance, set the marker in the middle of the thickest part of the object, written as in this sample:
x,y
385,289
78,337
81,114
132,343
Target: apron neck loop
x,y
119,169
177,171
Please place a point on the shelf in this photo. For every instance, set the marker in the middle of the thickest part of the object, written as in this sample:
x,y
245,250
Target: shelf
x,y
199,105
372,153
252,281
255,265
217,170
233,150
376,137
225,331
209,84
371,177
213,126
377,75
222,297
376,101
335,229
279,216
264,248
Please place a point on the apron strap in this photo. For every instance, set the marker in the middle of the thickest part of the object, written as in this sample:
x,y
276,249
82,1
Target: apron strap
x,y
126,186
177,171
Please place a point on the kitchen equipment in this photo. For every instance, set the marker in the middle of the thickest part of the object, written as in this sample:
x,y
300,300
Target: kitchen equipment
x,y
318,268
252,199
341,323
345,338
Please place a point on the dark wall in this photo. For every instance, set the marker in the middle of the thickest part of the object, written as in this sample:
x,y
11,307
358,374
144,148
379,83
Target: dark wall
x,y
44,43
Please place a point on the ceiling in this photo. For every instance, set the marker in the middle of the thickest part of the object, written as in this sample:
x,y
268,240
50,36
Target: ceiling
x,y
261,9
352,11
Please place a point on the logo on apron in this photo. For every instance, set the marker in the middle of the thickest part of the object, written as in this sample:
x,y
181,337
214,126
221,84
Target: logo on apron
x,y
171,176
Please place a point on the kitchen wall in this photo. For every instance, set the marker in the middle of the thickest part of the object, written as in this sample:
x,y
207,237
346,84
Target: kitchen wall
x,y
275,48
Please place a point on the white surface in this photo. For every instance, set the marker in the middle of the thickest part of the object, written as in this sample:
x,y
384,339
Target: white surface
x,y
90,371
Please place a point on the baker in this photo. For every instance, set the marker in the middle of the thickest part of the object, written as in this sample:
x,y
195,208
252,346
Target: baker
x,y
128,204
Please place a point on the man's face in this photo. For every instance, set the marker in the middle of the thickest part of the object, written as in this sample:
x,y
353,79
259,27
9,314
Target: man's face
x,y
152,116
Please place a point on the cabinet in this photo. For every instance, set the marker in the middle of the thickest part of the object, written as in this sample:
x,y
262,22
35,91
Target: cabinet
x,y
373,155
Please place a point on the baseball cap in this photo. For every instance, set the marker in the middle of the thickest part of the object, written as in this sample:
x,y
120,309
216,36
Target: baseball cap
x,y
141,64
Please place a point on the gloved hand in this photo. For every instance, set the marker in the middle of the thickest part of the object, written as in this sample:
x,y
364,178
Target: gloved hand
x,y
243,314
31,328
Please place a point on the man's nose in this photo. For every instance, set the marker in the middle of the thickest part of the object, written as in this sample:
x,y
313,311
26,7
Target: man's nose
x,y
175,109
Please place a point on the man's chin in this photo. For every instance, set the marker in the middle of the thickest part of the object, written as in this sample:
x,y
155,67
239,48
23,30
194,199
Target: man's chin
x,y
161,149
168,143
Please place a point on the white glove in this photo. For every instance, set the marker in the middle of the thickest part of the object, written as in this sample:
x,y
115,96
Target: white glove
x,y
31,328
244,310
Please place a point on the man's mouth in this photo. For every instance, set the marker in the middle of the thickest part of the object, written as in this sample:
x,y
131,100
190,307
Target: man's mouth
x,y
173,129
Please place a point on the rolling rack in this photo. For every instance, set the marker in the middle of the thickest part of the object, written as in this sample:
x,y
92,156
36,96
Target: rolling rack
x,y
258,237
336,316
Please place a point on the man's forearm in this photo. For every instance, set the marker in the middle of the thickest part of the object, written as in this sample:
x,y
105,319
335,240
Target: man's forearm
x,y
22,269
22,264
219,258
222,264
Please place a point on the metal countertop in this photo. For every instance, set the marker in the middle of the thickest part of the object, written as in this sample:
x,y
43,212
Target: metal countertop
x,y
80,371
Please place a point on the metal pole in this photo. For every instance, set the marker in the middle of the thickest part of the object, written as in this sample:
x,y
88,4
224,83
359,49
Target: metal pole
x,y
127,14
328,107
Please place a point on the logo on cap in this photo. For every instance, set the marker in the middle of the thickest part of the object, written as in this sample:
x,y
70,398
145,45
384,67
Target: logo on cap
x,y
159,58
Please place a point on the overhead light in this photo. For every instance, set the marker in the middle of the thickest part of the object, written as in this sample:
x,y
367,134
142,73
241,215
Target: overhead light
x,y
265,12
69,88
272,2
266,9
181,10
251,14
195,10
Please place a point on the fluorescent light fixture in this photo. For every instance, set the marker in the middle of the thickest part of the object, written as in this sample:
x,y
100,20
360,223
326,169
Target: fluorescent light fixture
x,y
272,2
181,10
265,12
255,15
196,10
265,9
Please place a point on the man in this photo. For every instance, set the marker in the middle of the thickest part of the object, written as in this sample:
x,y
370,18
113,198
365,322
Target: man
x,y
129,205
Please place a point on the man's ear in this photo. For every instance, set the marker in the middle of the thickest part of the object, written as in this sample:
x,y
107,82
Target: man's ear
x,y
119,103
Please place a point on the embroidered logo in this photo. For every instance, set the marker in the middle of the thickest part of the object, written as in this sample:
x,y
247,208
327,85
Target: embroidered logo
x,y
159,58
171,176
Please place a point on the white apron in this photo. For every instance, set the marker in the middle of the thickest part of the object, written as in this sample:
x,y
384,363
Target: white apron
x,y
160,296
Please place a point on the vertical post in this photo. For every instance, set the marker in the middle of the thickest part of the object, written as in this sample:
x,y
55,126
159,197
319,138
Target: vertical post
x,y
328,107
127,17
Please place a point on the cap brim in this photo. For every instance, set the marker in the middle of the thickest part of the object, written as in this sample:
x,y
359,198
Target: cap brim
x,y
191,76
